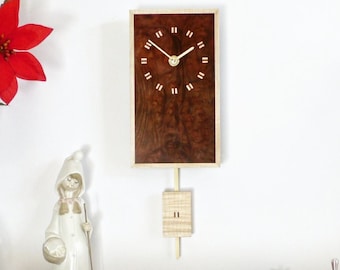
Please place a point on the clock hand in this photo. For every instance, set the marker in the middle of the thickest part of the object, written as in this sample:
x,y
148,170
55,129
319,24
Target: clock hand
x,y
159,48
185,52
174,59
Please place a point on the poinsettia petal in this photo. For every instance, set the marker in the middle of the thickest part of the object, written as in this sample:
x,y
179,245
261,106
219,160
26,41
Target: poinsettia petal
x,y
8,94
26,66
6,74
28,36
9,14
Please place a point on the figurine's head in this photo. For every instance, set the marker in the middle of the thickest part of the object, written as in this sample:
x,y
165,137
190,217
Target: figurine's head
x,y
71,186
72,182
70,178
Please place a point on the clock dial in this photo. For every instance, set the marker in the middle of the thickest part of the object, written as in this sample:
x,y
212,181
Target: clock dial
x,y
174,87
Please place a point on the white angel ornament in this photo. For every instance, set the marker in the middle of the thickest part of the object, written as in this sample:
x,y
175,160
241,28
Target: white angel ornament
x,y
67,238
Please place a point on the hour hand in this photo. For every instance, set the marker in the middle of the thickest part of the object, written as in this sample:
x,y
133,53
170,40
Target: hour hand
x,y
185,52
174,59
159,48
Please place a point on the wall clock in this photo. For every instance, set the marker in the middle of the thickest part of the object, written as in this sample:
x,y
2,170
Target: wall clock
x,y
175,100
175,87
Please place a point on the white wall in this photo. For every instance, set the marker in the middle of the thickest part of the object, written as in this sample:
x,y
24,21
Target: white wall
x,y
274,202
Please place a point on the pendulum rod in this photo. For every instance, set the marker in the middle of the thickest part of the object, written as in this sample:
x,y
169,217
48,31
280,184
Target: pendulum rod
x,y
177,188
176,179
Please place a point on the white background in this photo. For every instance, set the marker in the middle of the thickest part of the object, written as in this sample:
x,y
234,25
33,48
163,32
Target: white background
x,y
275,201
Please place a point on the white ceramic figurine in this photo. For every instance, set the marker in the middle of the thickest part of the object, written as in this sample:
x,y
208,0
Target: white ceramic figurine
x,y
67,243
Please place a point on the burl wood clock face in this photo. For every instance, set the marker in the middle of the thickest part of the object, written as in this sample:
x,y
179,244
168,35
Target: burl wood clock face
x,y
175,87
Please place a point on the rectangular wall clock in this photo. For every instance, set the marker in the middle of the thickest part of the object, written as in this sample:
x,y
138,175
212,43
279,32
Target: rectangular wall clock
x,y
175,88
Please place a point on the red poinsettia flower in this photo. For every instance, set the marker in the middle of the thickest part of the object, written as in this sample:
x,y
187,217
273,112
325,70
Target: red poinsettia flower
x,y
15,61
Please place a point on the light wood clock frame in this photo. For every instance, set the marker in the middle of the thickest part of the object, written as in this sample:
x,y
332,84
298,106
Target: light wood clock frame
x,y
175,91
175,88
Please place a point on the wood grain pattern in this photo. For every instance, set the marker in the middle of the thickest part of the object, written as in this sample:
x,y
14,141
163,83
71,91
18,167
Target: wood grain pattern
x,y
177,217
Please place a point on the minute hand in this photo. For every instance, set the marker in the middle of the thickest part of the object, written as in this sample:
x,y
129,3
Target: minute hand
x,y
185,52
159,48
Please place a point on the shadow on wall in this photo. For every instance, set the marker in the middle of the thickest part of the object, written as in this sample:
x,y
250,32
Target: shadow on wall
x,y
95,217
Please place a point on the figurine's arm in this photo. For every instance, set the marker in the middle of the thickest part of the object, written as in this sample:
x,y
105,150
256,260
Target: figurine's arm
x,y
53,228
54,249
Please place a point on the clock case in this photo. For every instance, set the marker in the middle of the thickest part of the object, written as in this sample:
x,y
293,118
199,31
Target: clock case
x,y
182,129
